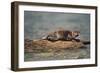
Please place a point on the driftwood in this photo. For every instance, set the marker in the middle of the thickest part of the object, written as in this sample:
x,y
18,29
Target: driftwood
x,y
84,42
61,44
36,45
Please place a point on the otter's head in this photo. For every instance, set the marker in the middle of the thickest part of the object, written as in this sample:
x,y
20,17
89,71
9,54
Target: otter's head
x,y
75,34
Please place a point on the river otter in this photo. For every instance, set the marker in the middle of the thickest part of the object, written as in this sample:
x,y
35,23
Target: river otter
x,y
66,35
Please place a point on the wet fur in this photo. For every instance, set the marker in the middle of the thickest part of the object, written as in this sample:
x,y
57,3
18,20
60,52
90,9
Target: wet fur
x,y
65,35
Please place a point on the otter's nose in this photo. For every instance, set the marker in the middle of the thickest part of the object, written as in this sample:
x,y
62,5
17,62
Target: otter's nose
x,y
78,37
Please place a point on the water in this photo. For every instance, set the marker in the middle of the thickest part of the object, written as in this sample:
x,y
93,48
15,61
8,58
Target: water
x,y
64,54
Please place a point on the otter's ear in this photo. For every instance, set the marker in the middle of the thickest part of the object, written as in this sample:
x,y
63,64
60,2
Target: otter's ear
x,y
77,31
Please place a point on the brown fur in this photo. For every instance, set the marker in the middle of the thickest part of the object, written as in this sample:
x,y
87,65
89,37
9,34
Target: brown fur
x,y
62,35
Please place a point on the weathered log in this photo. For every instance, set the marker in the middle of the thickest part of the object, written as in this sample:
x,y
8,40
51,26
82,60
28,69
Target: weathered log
x,y
85,42
58,44
45,45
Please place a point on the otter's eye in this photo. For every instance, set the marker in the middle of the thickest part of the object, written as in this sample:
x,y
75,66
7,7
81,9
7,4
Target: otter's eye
x,y
76,35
